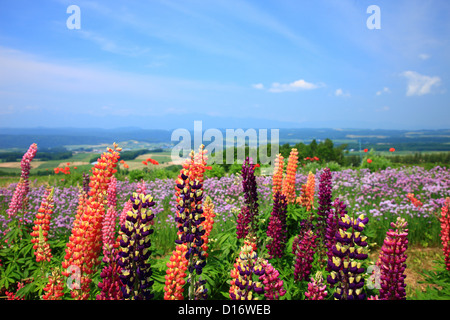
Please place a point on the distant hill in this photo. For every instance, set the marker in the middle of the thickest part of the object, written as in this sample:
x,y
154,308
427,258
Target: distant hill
x,y
420,140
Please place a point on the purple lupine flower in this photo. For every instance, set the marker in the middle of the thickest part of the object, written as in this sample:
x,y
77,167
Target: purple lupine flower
x,y
332,226
392,262
349,251
243,223
135,249
247,264
277,226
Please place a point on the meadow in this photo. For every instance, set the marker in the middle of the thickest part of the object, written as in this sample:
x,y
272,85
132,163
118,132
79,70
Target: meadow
x,y
304,232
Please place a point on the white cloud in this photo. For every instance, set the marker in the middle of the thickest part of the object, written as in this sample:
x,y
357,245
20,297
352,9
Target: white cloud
x,y
258,86
293,86
385,90
340,93
424,56
419,84
385,108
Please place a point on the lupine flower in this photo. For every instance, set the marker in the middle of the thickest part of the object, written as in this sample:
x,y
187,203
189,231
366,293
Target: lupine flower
x,y
306,198
277,226
109,221
243,223
277,178
445,231
273,285
41,227
12,295
303,248
190,218
332,226
250,197
288,188
176,274
54,290
243,286
111,284
392,262
324,200
316,288
417,203
135,249
19,199
346,263
85,243
208,213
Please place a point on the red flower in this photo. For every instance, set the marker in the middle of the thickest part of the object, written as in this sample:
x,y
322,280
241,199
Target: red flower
x,y
369,160
152,161
256,165
392,149
315,158
365,150
75,168
307,158
208,168
68,163
144,162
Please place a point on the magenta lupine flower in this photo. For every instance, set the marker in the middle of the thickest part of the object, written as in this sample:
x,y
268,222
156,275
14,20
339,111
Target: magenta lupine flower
x,y
346,263
273,285
250,196
304,248
277,226
243,223
111,284
112,192
316,288
337,211
392,262
19,199
324,195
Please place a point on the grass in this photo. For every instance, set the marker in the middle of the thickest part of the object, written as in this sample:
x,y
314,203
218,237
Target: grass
x,y
419,259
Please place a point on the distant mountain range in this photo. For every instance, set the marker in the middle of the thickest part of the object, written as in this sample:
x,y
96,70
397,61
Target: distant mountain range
x,y
21,138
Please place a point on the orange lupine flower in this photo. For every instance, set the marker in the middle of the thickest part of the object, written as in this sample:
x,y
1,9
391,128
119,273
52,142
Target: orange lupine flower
x,y
417,203
208,213
277,179
306,198
54,290
85,243
176,274
41,227
288,188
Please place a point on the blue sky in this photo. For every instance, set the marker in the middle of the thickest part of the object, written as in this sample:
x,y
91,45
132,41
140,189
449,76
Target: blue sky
x,y
229,63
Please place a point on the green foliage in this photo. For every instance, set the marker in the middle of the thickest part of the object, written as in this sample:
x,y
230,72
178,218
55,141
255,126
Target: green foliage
x,y
378,162
216,171
438,281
